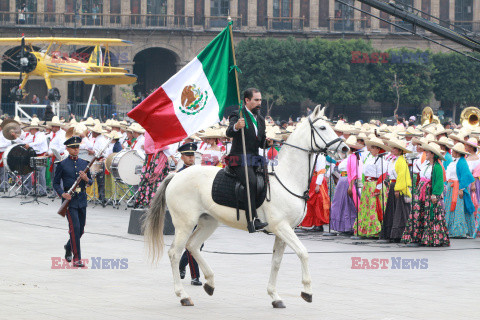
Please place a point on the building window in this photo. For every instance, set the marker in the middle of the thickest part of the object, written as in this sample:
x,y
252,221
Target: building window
x,y
157,13
243,11
282,14
49,10
219,8
262,12
26,11
199,12
92,12
426,7
4,11
445,13
323,13
408,6
366,19
115,11
305,12
343,20
464,14
135,12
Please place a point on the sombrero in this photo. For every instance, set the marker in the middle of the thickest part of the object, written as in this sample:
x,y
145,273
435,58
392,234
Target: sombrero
x,y
353,143
398,144
135,127
34,124
446,142
460,148
434,148
376,142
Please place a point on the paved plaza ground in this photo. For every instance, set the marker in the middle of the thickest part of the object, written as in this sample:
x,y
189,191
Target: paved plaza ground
x,y
31,235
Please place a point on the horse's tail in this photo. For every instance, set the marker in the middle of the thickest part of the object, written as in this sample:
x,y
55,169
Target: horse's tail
x,y
154,221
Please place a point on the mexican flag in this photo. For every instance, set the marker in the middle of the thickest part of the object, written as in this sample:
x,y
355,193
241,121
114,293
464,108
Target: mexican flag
x,y
194,98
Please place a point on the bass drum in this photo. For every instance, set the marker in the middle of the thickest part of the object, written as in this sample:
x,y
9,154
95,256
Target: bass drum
x,y
124,165
17,159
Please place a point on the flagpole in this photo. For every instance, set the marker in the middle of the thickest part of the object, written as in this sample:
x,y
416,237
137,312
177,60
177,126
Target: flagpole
x,y
247,184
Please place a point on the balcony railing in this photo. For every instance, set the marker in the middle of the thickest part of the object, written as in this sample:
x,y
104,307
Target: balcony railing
x,y
349,25
98,20
210,22
285,23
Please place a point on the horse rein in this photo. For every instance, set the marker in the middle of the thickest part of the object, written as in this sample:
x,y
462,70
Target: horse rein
x,y
311,169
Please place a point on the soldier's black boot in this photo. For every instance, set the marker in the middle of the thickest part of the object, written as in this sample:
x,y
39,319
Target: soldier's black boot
x,y
68,254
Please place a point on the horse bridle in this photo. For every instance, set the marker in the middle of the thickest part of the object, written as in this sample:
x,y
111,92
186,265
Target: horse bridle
x,y
311,169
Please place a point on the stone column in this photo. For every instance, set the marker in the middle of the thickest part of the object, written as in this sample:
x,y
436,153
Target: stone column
x,y
59,10
106,21
357,16
269,13
375,21
314,14
296,15
252,14
233,8
143,12
207,14
435,8
189,12
40,11
331,13
125,11
451,11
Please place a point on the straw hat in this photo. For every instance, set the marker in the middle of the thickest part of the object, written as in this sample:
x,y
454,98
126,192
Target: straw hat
x,y
89,122
435,148
398,144
471,142
211,133
362,136
376,142
410,132
272,131
115,124
135,127
460,148
340,126
114,135
34,124
446,142
55,122
97,129
352,142
458,137
420,141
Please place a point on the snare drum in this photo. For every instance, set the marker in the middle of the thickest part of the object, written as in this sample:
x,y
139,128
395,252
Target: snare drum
x,y
38,162
17,159
124,165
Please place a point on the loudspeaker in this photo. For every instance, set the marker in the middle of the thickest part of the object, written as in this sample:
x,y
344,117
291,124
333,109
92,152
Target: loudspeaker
x,y
136,219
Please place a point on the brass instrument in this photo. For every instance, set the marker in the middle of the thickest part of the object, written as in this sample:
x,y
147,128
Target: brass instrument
x,y
428,117
11,129
470,118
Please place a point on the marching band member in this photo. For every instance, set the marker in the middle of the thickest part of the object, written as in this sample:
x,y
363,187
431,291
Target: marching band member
x,y
398,204
67,173
458,202
374,196
138,144
347,195
57,138
38,141
98,145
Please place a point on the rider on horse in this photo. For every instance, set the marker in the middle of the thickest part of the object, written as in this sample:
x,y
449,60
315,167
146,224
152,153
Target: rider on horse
x,y
255,138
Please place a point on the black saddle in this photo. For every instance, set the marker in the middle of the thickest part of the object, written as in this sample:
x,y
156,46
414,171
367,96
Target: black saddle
x,y
228,191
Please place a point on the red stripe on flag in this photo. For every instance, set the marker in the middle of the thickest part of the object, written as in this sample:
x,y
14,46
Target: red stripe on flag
x,y
157,115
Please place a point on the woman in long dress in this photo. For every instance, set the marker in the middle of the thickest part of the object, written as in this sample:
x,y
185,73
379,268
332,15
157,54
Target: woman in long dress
x,y
347,196
458,202
473,160
374,197
399,195
434,229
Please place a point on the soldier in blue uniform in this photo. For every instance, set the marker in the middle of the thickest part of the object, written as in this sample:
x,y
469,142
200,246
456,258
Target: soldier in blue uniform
x,y
67,173
188,157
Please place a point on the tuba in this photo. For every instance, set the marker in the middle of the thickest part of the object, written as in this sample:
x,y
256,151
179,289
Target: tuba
x,y
428,117
470,117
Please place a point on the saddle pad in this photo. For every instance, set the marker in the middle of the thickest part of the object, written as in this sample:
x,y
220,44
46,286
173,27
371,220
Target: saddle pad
x,y
223,191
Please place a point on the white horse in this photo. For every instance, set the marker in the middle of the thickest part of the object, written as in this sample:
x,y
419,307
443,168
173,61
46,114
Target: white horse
x,y
188,197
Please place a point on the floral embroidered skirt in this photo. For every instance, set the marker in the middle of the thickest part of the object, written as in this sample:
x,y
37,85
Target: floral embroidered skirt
x,y
460,223
154,170
414,229
370,213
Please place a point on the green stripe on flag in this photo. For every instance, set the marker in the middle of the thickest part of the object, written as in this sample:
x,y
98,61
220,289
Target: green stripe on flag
x,y
217,59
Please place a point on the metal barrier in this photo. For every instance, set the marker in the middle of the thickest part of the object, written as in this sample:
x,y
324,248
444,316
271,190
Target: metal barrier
x,y
20,112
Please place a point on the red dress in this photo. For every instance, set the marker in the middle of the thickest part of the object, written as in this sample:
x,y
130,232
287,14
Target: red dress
x,y
318,205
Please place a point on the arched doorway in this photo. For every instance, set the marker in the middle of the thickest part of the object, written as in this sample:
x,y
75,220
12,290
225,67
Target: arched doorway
x,y
153,67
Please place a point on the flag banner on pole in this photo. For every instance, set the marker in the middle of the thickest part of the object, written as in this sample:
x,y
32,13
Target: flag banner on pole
x,y
192,99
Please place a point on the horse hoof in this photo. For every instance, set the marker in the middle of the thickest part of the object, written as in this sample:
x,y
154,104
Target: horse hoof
x,y
278,304
208,289
306,296
186,302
